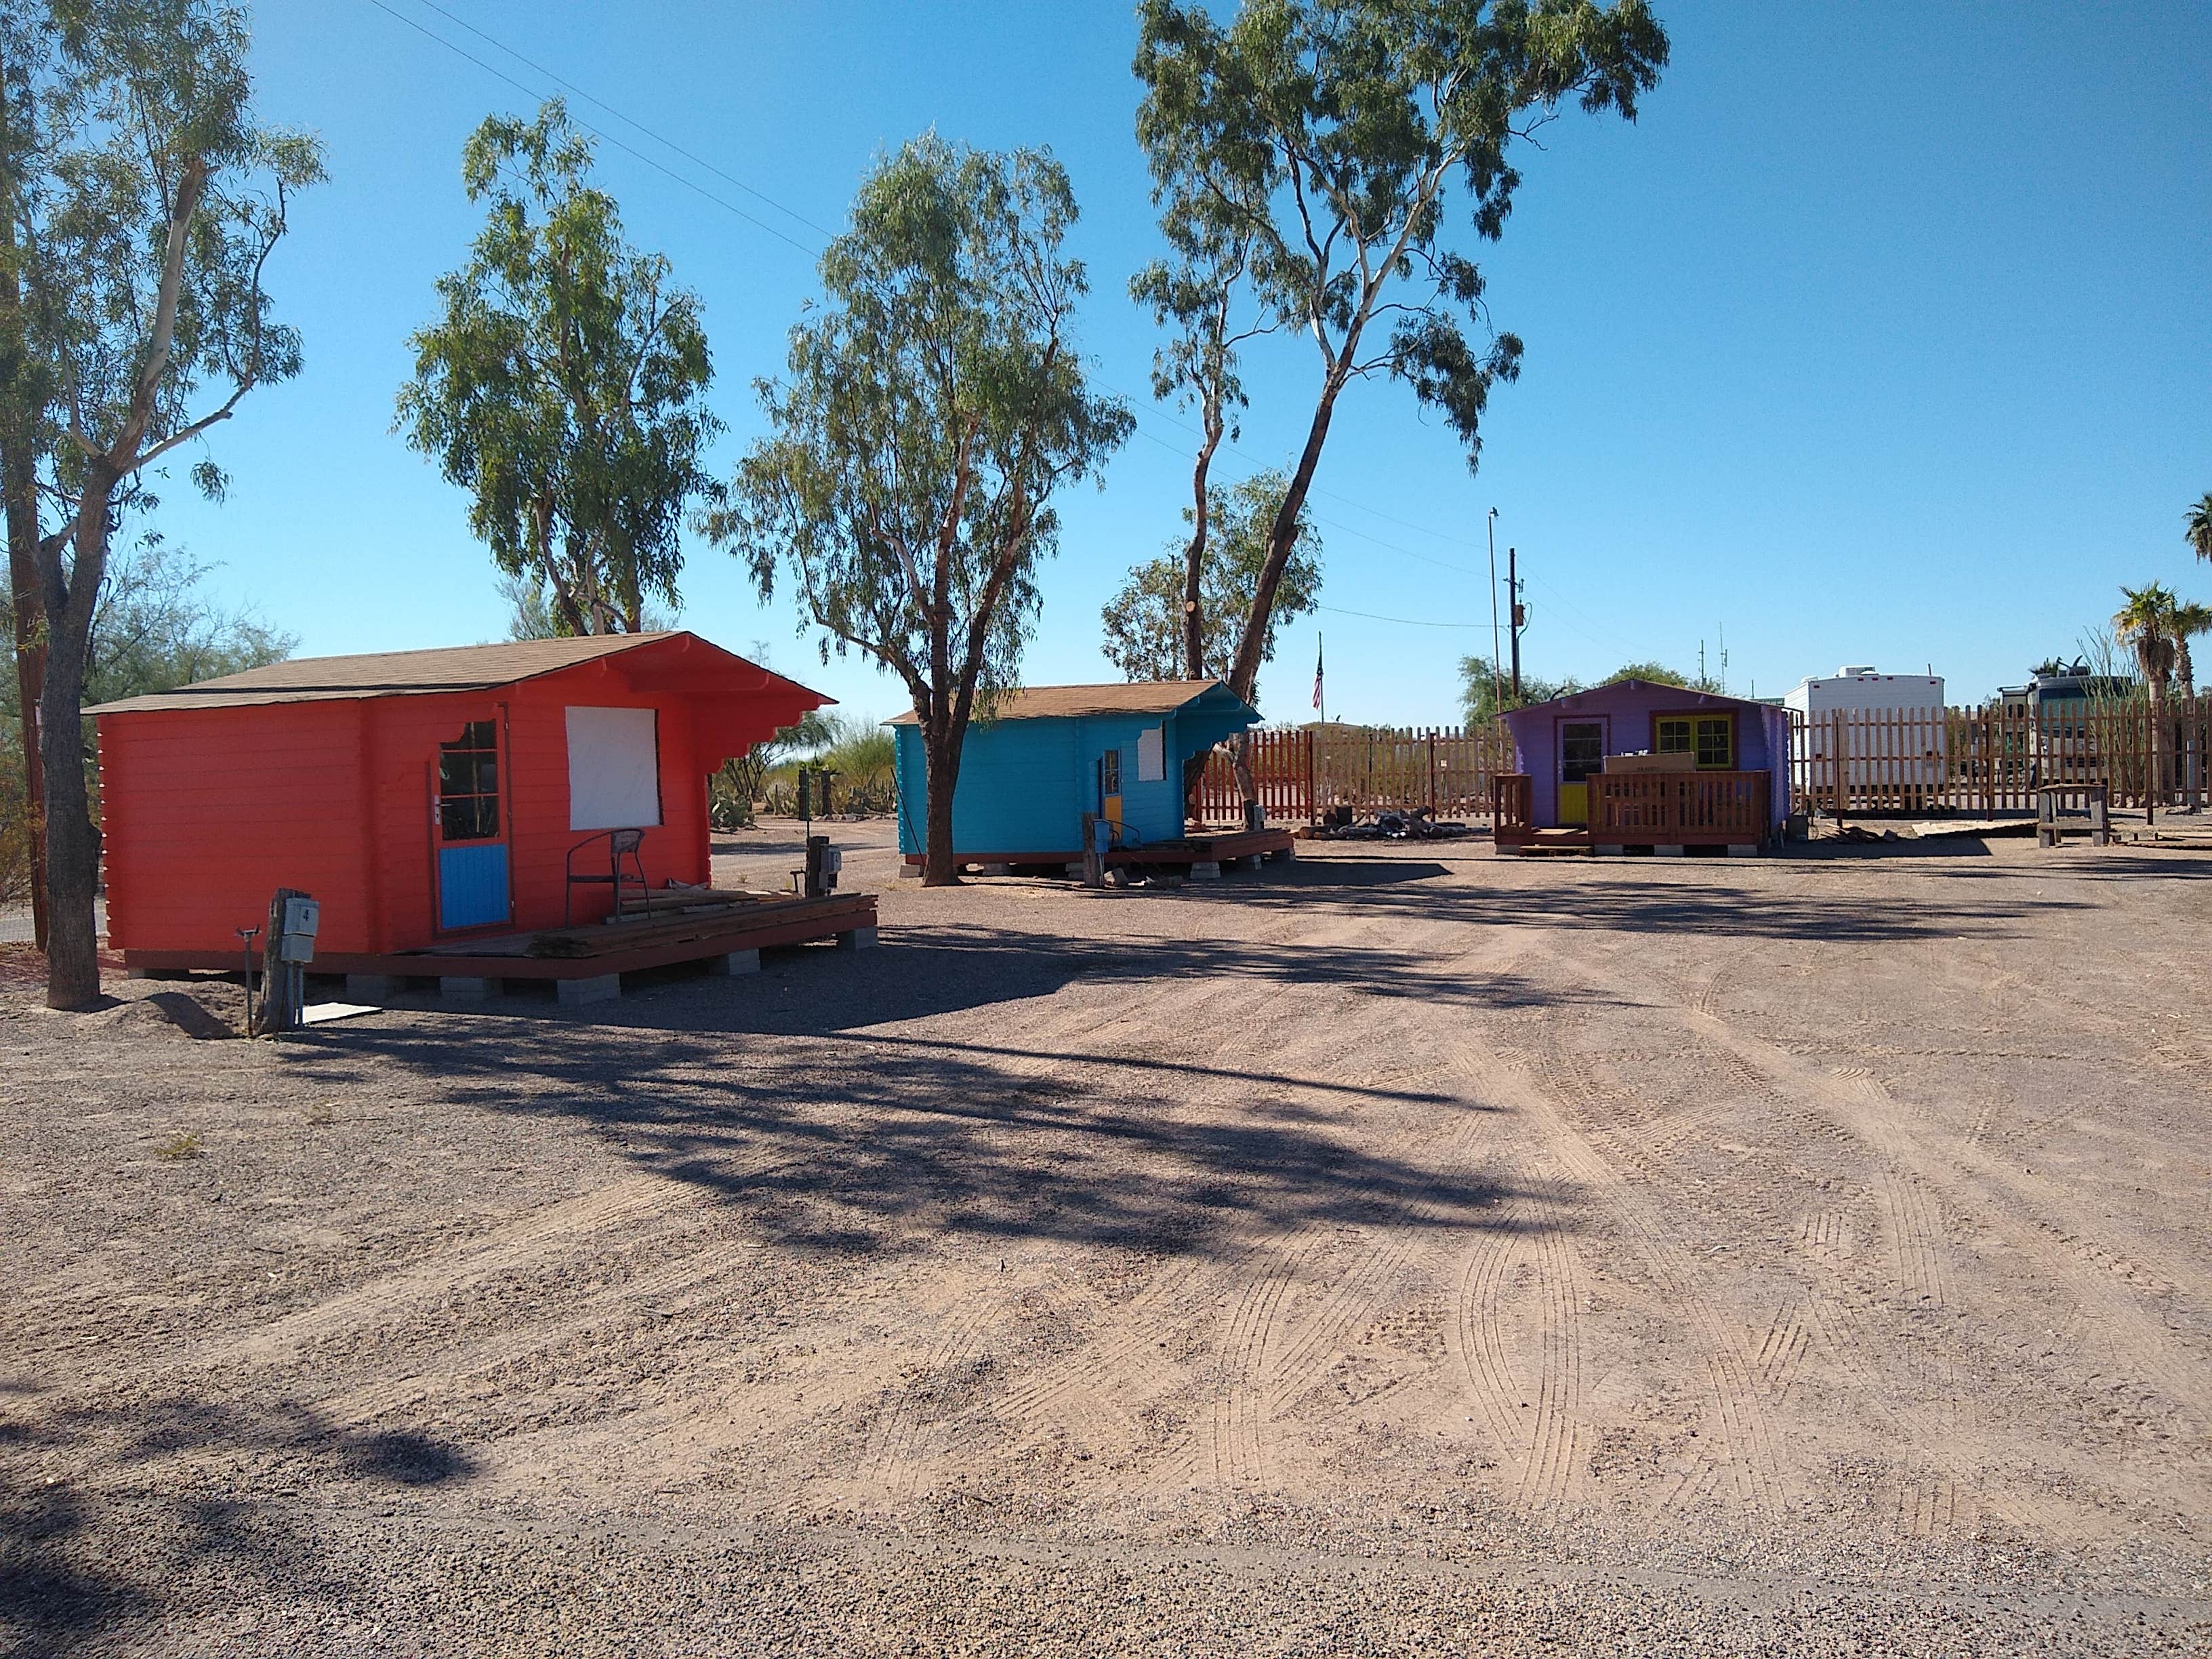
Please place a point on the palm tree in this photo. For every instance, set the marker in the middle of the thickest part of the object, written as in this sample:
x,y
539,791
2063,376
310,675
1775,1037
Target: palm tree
x,y
2188,621
2196,526
2146,622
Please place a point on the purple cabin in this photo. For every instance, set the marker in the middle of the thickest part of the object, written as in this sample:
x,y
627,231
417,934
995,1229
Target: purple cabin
x,y
1632,764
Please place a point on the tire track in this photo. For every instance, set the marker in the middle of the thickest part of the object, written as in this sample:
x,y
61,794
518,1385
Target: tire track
x,y
902,1431
1747,1443
518,1244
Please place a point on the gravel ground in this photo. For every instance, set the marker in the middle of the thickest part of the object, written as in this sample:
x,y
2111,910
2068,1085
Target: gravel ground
x,y
1406,1251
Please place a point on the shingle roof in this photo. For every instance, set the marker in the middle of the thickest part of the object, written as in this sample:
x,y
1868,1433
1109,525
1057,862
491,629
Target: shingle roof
x,y
1035,703
386,673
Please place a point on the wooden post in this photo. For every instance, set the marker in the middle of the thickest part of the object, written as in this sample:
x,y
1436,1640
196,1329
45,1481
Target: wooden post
x,y
1839,740
1094,862
281,981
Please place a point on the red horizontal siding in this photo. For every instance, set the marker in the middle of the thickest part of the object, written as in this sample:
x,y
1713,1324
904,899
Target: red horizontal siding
x,y
208,811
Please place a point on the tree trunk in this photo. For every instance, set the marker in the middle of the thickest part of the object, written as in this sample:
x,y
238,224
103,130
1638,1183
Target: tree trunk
x,y
2159,743
1193,559
1240,760
941,757
1282,540
72,842
19,422
1193,775
1194,583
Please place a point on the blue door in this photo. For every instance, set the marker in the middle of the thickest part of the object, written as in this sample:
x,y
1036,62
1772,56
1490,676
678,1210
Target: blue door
x,y
472,884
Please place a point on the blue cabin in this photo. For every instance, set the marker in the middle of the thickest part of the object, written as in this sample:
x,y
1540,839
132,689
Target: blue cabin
x,y
1048,754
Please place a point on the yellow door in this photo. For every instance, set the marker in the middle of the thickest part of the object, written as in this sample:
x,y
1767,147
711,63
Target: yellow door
x,y
1582,753
1109,790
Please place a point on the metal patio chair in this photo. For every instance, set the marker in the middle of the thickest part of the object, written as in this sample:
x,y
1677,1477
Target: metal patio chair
x,y
621,844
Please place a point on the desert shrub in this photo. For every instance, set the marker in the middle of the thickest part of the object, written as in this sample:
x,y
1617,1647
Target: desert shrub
x,y
859,750
17,829
738,784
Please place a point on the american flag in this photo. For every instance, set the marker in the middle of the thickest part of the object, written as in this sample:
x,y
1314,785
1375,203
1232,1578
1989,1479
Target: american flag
x,y
1317,671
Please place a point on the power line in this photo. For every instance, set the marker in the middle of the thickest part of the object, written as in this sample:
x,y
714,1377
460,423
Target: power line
x,y
1403,622
626,119
596,132
1138,406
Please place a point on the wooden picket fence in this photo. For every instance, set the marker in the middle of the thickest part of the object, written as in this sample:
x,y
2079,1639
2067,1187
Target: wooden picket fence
x,y
1991,761
1985,762
1301,772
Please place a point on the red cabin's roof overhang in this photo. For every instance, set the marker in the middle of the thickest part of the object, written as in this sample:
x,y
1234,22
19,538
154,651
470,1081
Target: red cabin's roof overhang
x,y
735,702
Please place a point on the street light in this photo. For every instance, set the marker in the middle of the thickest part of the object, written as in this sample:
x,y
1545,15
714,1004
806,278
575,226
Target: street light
x,y
1497,687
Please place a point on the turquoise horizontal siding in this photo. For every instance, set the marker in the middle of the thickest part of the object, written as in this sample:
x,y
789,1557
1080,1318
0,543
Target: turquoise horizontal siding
x,y
1025,784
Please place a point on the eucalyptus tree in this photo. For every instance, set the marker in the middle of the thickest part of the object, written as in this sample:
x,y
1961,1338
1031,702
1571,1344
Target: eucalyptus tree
x,y
32,91
931,405
1149,624
143,214
1329,136
564,386
1197,294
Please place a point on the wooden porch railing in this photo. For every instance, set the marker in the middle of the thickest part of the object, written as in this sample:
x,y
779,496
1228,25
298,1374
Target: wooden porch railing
x,y
1679,808
1512,806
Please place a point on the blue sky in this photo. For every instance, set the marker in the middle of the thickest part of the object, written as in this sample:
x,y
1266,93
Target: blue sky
x,y
1883,337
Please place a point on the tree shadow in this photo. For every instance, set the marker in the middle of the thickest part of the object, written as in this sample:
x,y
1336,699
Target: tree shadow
x,y
935,969
862,1143
1673,898
172,1504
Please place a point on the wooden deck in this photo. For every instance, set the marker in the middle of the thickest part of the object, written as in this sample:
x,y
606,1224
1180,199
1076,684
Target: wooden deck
x,y
1215,849
1659,810
732,924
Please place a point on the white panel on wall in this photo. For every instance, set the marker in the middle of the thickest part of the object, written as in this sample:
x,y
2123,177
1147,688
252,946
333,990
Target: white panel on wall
x,y
1152,754
614,768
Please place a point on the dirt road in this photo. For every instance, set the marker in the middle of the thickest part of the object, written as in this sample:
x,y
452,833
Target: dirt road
x,y
1409,1251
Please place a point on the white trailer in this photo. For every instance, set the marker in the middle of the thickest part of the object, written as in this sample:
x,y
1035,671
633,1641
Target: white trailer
x,y
1889,728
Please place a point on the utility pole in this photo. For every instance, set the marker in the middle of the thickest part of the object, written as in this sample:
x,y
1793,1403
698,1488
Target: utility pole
x,y
1496,685
1519,615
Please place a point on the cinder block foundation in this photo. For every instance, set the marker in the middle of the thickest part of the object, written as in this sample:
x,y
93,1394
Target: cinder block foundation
x,y
601,987
1205,870
736,962
860,939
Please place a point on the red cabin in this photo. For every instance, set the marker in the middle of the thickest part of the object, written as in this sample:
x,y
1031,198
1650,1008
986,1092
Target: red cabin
x,y
426,798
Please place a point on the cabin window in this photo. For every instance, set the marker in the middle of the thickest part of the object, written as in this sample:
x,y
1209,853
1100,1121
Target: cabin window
x,y
1109,772
614,768
1709,739
468,784
1153,754
1716,744
1582,751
